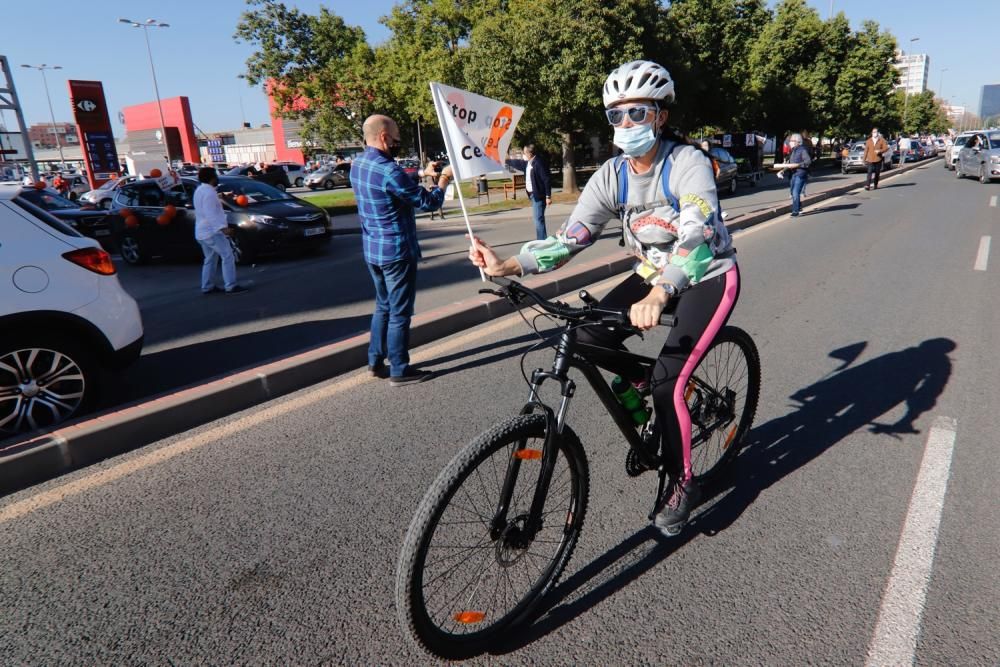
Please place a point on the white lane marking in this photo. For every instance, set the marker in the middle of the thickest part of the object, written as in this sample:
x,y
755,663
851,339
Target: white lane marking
x,y
116,471
983,256
895,640
993,201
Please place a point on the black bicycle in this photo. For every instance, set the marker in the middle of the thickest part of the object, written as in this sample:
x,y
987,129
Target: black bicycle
x,y
499,524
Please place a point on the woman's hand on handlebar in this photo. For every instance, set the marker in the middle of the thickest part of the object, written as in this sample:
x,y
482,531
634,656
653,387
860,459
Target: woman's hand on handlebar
x,y
645,314
483,256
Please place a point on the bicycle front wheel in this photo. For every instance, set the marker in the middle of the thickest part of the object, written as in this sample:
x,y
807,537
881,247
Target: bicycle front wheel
x,y
722,400
463,576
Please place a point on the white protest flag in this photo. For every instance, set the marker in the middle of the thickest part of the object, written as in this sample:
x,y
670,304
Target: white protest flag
x,y
477,130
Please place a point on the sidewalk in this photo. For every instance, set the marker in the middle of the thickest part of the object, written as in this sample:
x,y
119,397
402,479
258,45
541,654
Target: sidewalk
x,y
124,428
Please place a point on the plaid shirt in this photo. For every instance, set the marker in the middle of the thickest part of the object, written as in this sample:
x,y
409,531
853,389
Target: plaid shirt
x,y
386,199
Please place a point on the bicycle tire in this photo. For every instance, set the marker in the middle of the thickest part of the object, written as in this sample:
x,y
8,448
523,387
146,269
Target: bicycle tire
x,y
731,364
427,628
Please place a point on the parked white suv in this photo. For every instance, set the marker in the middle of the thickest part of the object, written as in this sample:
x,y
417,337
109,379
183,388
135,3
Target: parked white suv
x,y
64,318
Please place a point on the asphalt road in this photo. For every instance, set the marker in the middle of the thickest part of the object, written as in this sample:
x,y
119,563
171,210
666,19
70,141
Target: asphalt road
x,y
297,303
862,512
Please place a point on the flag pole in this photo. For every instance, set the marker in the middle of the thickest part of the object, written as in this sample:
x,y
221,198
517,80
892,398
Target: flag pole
x,y
458,181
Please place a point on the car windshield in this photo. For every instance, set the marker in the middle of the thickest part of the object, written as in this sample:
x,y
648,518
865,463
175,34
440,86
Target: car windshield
x,y
994,139
961,141
49,201
255,191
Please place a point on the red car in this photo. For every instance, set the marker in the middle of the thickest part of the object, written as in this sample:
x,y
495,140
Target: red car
x,y
412,168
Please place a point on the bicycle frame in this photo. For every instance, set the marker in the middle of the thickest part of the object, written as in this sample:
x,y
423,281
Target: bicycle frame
x,y
567,356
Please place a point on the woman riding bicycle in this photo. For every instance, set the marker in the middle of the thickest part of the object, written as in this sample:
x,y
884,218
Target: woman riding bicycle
x,y
663,189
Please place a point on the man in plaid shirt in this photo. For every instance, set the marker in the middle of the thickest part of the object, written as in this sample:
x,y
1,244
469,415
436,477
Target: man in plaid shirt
x,y
386,198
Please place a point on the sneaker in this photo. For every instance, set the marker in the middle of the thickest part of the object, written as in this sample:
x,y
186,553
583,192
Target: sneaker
x,y
214,290
680,500
794,215
868,187
381,371
239,289
412,377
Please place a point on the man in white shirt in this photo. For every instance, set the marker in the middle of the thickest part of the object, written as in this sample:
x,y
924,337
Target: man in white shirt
x,y
211,230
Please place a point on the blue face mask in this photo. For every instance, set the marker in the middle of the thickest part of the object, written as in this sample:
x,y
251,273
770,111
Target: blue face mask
x,y
635,140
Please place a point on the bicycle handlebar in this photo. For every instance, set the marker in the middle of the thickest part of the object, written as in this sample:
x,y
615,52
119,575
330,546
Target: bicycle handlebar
x,y
515,292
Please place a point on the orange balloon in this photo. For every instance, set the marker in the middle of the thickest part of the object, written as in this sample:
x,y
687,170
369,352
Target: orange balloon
x,y
40,185
169,211
163,220
131,222
242,200
155,173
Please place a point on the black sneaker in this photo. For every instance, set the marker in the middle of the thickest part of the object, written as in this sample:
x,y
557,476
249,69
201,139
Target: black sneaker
x,y
239,289
680,500
412,377
214,290
381,371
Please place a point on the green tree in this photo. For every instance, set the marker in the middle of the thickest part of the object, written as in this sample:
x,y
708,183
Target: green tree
x,y
552,57
708,54
864,87
317,67
924,113
781,62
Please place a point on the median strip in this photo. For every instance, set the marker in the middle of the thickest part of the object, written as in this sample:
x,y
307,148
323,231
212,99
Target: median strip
x,y
128,427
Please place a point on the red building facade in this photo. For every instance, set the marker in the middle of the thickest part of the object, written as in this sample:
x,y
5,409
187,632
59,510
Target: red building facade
x,y
176,114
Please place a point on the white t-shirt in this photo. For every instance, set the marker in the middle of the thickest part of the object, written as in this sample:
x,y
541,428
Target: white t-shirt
x,y
527,175
209,216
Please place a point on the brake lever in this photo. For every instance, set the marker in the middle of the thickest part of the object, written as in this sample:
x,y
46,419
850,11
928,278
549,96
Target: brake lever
x,y
494,292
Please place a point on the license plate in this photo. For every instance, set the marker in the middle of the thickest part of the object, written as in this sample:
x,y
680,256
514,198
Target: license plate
x,y
102,232
314,231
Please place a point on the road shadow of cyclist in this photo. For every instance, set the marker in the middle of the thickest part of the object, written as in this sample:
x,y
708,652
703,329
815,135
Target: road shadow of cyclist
x,y
846,400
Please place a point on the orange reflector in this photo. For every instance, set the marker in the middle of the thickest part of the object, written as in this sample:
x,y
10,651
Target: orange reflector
x,y
469,617
528,454
688,391
729,440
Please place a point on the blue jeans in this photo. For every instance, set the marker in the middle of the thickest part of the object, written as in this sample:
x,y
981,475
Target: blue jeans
x,y
538,211
395,295
797,183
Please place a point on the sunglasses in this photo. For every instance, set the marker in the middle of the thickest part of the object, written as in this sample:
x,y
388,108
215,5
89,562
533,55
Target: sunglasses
x,y
637,114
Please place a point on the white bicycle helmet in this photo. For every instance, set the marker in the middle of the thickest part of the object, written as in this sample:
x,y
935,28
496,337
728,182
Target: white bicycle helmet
x,y
638,80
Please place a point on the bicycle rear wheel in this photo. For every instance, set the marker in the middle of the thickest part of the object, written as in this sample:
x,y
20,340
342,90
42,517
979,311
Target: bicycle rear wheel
x,y
722,399
463,578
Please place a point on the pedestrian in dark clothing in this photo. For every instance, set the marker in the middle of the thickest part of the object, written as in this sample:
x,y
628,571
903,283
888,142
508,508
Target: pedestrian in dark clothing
x,y
536,185
386,198
875,147
797,169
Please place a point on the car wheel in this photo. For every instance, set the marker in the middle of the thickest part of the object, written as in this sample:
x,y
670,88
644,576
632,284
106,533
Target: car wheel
x,y
958,170
242,249
984,176
131,250
105,204
280,186
299,182
843,170
45,379
327,185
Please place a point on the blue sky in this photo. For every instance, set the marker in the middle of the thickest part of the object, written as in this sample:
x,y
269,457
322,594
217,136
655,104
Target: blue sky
x,y
197,56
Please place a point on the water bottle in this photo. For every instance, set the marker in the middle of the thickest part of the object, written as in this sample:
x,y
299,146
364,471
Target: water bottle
x,y
630,400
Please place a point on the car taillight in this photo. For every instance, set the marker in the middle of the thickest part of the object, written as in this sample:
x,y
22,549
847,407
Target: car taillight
x,y
92,259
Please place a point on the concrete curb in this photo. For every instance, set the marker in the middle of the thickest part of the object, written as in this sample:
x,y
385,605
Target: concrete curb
x,y
129,427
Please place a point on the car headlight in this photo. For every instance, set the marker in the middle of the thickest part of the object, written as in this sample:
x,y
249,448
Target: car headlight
x,y
266,220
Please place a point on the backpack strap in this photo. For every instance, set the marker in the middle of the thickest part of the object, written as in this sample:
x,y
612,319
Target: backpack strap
x,y
622,170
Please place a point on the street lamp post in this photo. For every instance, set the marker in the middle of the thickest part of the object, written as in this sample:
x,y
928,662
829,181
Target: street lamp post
x,y
146,25
41,68
906,88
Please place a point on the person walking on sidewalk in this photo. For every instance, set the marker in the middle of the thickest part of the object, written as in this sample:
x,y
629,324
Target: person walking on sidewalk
x,y
537,186
797,168
386,198
429,174
875,147
211,230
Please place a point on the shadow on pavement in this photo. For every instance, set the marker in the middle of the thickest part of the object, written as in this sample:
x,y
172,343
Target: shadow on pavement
x,y
171,369
843,402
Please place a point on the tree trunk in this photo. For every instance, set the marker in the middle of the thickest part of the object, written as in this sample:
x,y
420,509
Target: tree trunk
x,y
568,163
